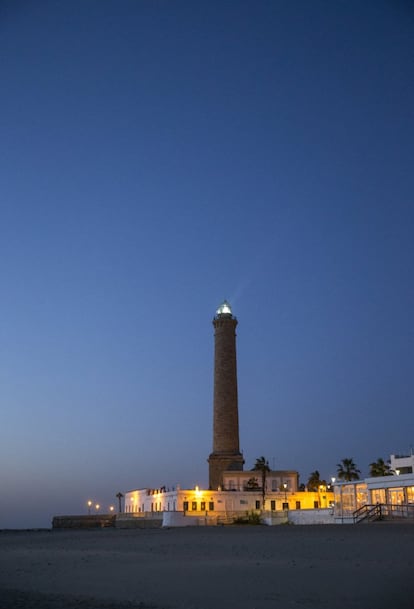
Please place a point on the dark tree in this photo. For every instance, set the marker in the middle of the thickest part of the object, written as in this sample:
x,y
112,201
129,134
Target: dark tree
x,y
252,484
379,468
262,466
347,470
314,481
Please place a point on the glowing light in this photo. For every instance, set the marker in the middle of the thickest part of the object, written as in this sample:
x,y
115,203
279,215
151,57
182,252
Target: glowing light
x,y
333,480
224,309
397,471
97,506
111,508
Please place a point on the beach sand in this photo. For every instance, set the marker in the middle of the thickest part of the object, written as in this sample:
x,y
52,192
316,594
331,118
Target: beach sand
x,y
336,567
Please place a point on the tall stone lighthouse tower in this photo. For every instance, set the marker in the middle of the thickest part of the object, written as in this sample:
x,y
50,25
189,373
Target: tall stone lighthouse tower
x,y
226,455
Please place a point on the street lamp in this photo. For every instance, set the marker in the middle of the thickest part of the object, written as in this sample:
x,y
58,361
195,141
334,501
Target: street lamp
x,y
97,506
89,504
285,487
111,508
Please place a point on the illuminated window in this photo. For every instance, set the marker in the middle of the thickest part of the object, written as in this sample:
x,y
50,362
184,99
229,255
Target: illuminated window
x,y
378,495
361,495
396,496
194,506
203,506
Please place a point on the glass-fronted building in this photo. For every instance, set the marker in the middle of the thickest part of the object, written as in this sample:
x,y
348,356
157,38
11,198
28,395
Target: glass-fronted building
x,y
395,494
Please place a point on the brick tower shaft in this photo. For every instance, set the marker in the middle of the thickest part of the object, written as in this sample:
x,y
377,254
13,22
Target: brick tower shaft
x,y
226,454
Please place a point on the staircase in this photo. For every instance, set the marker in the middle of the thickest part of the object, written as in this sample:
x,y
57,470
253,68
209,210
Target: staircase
x,y
384,511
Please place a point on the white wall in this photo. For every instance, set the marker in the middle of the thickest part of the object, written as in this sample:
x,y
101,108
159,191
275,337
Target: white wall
x,y
311,516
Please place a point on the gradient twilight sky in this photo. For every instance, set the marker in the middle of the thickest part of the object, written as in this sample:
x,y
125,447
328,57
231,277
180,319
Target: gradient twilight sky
x,y
158,156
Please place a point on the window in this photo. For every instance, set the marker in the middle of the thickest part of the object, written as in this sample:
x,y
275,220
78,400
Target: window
x,y
211,506
285,505
194,506
378,495
298,505
203,506
316,505
185,506
273,505
275,486
257,505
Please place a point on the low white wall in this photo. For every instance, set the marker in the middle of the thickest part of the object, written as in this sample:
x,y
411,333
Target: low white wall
x,y
177,519
321,516
274,518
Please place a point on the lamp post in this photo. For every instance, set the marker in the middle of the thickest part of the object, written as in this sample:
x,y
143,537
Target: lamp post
x,y
285,488
97,506
119,496
89,504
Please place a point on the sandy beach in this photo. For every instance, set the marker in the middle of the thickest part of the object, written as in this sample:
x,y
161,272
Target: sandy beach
x,y
365,566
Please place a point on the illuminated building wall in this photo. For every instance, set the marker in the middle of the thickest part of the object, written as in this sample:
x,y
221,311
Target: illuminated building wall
x,y
198,501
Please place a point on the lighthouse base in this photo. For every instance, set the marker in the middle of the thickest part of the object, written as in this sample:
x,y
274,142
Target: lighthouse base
x,y
223,462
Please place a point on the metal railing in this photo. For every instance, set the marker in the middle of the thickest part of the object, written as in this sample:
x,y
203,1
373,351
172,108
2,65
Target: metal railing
x,y
383,511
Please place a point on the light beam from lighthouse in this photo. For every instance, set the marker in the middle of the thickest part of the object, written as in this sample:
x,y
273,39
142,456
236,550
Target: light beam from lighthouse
x,y
226,455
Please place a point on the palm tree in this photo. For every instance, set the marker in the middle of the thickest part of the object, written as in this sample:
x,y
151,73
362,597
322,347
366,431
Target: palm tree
x,y
379,468
262,466
315,481
119,496
252,484
347,470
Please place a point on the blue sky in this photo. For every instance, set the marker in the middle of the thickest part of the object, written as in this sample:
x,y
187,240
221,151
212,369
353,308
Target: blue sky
x,y
157,157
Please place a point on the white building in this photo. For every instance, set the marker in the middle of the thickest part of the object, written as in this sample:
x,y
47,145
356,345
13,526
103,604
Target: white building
x,y
382,496
402,464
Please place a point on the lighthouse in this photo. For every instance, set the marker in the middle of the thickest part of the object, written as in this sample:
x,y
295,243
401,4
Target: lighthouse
x,y
226,455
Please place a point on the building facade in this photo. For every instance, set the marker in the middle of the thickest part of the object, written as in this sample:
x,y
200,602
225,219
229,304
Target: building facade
x,y
395,493
402,464
199,502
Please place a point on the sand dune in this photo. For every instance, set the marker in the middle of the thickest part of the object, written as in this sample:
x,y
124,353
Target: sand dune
x,y
363,566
